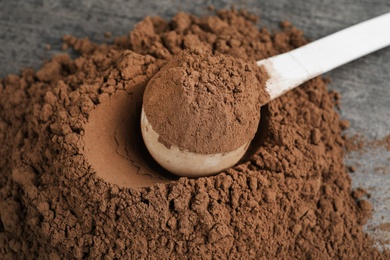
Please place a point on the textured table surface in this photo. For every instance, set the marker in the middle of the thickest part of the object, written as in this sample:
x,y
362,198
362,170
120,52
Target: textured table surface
x,y
26,27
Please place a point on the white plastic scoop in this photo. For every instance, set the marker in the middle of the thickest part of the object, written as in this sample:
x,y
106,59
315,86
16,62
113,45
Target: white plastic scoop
x,y
290,69
286,71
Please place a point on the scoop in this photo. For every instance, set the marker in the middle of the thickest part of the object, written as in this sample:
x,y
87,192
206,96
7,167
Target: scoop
x,y
286,71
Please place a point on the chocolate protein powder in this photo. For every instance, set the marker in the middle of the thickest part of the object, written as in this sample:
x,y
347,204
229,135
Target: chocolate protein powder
x,y
77,182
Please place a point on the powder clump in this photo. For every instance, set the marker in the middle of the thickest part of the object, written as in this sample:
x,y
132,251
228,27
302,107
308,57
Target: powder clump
x,y
291,200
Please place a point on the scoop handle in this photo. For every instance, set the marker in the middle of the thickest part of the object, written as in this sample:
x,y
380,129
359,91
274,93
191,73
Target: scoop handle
x,y
290,69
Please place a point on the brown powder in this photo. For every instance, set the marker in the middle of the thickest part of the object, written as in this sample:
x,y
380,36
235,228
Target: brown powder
x,y
385,142
205,103
292,198
358,143
354,143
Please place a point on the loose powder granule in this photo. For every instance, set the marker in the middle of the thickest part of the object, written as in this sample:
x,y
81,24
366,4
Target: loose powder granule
x,y
291,200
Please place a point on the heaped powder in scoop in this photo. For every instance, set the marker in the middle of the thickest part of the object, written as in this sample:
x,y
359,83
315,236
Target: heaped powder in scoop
x,y
205,103
65,196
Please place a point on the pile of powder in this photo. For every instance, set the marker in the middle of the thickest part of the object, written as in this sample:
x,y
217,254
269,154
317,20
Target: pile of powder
x,y
205,103
291,199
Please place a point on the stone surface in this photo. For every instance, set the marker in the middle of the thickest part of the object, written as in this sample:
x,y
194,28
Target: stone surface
x,y
26,27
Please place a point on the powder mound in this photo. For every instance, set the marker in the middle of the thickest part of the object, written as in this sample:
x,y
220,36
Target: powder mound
x,y
204,103
291,200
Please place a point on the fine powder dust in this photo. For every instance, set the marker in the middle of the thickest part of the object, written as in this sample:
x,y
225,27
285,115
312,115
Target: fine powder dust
x,y
291,198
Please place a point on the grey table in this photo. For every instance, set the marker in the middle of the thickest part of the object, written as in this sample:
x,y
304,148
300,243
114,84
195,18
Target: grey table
x,y
26,27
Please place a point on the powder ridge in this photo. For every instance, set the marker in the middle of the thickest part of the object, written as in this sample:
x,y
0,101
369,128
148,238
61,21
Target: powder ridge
x,y
292,199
